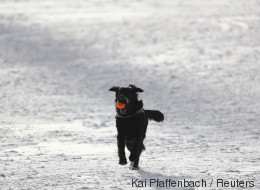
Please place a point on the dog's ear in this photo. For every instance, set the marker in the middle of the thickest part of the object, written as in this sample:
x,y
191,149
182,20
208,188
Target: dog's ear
x,y
114,88
136,89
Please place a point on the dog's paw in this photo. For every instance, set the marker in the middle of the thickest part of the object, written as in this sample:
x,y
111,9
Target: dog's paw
x,y
122,162
133,166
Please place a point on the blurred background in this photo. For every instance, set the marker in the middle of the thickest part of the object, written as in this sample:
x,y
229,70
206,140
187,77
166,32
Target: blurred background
x,y
196,60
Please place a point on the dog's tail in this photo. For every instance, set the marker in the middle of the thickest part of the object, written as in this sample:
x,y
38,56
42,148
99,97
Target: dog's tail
x,y
155,115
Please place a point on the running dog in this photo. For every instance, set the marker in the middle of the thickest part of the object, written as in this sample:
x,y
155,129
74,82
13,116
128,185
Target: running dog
x,y
131,123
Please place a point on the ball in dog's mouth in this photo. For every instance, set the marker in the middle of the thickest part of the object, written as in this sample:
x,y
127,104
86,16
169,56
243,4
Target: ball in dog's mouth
x,y
120,105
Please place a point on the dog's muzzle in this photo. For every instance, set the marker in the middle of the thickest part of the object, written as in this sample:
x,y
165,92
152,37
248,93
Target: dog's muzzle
x,y
122,99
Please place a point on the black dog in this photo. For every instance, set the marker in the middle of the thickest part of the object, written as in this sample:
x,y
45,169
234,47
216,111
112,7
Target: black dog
x,y
131,123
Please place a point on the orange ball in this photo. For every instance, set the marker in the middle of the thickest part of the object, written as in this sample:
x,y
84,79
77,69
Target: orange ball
x,y
120,105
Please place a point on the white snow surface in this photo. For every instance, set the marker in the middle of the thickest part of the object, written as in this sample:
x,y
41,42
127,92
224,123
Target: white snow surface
x,y
197,62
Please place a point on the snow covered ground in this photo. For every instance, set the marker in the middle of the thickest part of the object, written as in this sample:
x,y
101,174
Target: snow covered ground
x,y
197,61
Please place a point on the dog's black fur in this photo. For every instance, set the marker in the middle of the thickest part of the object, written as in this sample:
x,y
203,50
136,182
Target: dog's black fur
x,y
131,123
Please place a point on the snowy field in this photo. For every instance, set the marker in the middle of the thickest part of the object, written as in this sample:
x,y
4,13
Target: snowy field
x,y
198,61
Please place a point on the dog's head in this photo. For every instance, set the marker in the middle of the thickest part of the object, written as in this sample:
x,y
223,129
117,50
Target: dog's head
x,y
127,99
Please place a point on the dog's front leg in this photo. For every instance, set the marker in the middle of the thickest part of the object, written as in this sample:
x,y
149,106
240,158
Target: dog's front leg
x,y
135,153
121,150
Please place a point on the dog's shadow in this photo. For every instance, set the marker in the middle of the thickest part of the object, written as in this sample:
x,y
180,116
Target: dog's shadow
x,y
146,176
